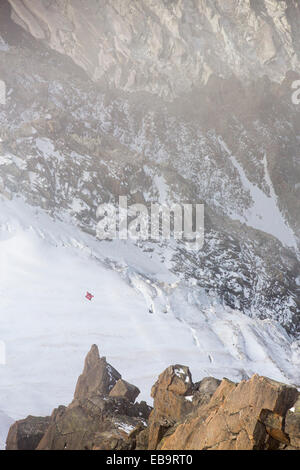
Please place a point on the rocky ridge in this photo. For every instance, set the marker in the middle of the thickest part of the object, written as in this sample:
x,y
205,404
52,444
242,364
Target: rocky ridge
x,y
101,416
167,48
255,414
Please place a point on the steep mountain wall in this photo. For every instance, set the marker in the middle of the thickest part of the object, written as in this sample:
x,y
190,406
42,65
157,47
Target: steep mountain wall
x,y
168,47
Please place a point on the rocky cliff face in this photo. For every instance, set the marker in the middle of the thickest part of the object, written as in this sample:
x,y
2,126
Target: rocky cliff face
x,y
257,414
167,48
245,416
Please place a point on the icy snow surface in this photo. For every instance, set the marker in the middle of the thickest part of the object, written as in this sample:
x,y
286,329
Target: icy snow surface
x,y
264,214
48,326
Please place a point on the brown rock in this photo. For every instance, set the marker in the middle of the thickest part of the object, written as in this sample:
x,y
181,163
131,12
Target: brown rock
x,y
112,440
170,403
243,441
262,393
27,433
142,440
292,424
95,420
125,390
274,426
244,416
98,377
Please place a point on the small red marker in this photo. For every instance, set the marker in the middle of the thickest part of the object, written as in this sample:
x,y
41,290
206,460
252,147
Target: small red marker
x,y
89,296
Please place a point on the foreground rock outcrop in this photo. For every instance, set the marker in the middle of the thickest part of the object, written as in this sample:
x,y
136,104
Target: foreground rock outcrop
x,y
249,416
27,433
255,414
175,397
94,419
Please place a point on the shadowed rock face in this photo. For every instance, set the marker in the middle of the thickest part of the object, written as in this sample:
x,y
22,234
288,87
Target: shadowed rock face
x,y
167,48
125,390
258,414
292,425
98,377
92,420
27,433
96,422
95,418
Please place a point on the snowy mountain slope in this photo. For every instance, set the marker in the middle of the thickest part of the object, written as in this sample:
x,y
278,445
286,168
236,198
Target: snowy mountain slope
x,y
5,423
264,214
47,324
68,146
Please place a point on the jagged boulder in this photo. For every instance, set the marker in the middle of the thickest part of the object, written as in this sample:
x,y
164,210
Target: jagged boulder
x,y
96,418
125,390
102,414
274,424
172,401
245,416
27,433
98,377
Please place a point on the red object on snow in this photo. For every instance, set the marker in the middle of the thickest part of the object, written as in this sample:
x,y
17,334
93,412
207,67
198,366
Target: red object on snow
x,y
89,296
